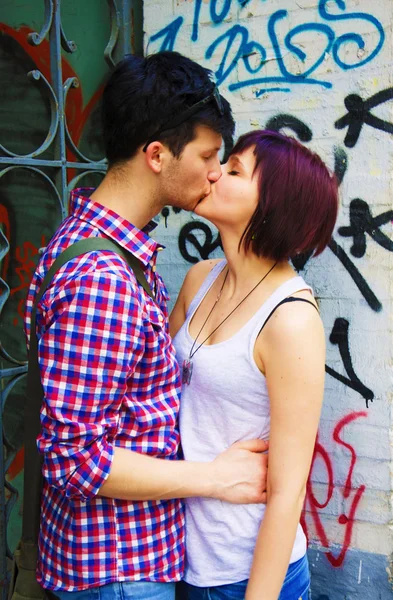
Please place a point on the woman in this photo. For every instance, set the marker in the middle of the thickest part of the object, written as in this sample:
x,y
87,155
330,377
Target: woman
x,y
249,338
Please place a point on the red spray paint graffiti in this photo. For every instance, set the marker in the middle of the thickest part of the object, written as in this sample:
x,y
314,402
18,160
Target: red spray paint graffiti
x,y
313,506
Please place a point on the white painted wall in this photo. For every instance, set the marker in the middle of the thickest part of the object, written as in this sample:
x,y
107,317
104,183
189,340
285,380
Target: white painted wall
x,y
340,36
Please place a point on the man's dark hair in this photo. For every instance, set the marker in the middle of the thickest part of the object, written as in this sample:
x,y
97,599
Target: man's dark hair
x,y
143,94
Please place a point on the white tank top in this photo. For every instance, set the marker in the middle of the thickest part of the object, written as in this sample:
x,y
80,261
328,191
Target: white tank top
x,y
226,401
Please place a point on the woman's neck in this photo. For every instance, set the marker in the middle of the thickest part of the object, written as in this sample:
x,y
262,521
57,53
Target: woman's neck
x,y
246,269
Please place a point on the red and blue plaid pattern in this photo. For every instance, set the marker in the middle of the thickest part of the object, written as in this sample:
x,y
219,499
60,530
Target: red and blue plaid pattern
x,y
110,378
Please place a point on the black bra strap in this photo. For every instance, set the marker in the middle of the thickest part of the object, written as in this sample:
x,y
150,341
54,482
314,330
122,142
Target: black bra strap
x,y
290,299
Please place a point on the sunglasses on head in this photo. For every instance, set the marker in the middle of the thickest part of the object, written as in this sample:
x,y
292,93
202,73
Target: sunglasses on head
x,y
187,113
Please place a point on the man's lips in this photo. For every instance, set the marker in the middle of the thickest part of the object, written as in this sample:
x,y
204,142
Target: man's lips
x,y
202,198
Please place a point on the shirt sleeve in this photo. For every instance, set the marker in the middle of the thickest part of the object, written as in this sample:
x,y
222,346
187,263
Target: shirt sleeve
x,y
93,340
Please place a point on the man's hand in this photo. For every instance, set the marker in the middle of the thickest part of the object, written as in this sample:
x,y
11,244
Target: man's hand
x,y
240,473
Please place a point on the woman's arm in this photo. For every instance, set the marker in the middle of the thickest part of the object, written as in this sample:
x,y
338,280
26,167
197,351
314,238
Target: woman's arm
x,y
292,349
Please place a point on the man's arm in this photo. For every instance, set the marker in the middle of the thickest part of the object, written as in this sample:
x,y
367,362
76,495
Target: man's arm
x,y
238,475
92,345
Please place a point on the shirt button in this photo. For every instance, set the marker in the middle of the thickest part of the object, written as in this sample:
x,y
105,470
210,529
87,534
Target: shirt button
x,y
154,268
160,318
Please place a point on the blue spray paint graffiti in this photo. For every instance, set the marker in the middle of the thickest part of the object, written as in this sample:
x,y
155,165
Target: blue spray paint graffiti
x,y
238,37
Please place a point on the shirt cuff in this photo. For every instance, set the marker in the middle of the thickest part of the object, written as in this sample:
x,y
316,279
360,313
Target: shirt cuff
x,y
87,479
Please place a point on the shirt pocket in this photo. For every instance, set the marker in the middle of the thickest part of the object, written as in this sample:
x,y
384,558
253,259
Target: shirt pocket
x,y
154,317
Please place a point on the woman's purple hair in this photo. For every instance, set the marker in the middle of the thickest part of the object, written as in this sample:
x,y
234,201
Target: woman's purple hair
x,y
298,197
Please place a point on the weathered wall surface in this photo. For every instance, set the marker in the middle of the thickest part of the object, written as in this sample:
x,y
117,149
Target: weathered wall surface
x,y
321,71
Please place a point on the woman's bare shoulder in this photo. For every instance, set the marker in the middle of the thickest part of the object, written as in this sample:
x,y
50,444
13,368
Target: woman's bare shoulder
x,y
196,276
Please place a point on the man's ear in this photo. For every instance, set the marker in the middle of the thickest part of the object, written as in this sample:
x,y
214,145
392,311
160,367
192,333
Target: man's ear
x,y
155,156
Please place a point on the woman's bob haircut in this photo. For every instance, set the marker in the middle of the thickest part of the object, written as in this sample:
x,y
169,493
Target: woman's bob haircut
x,y
298,198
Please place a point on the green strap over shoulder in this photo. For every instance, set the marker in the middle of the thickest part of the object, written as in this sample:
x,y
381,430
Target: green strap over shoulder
x,y
35,392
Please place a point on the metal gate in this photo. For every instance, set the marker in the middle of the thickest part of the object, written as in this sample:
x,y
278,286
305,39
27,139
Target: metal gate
x,y
43,177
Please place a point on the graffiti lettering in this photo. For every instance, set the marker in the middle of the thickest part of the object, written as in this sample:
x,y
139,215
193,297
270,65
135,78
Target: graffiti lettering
x,y
187,236
236,35
339,337
357,278
362,222
235,45
169,33
359,114
282,121
314,505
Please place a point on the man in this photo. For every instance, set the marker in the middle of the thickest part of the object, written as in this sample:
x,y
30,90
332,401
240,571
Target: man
x,y
112,522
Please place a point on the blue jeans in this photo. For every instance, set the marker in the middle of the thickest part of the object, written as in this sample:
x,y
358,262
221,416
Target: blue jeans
x,y
127,590
295,587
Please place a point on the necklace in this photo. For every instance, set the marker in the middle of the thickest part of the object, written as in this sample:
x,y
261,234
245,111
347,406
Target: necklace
x,y
187,363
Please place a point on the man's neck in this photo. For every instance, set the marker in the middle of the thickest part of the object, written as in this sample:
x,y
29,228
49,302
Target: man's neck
x,y
132,199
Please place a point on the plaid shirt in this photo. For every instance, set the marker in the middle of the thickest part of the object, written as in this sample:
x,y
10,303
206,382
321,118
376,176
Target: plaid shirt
x,y
110,379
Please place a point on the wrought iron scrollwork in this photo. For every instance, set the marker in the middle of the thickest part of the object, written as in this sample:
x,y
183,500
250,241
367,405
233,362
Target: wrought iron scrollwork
x,y
36,75
60,182
115,29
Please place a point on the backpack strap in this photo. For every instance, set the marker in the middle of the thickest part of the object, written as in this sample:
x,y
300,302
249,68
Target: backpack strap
x,y
35,393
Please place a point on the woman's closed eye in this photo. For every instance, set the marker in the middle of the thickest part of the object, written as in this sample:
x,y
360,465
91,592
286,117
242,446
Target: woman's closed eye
x,y
233,172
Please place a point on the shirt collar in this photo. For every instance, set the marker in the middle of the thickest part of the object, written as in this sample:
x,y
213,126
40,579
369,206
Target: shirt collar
x,y
123,232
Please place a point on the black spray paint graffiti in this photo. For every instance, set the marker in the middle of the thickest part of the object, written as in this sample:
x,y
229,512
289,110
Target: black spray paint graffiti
x,y
191,234
357,278
359,114
165,213
362,222
284,121
339,337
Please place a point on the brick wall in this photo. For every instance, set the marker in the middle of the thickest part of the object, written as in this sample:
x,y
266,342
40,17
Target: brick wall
x,y
320,71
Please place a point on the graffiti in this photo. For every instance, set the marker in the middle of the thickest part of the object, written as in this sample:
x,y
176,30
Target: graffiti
x,y
349,493
190,234
339,337
26,257
340,163
169,33
282,121
359,114
356,276
235,47
362,222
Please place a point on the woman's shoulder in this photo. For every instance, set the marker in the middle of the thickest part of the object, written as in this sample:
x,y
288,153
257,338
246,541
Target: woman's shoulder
x,y
195,277
295,319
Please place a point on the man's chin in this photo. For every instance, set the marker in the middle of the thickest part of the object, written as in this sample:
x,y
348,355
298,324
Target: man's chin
x,y
200,205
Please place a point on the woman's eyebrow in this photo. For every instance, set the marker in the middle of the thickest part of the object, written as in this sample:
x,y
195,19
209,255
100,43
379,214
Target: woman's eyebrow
x,y
236,159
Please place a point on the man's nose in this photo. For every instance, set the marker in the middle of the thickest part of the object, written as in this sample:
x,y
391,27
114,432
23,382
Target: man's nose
x,y
215,173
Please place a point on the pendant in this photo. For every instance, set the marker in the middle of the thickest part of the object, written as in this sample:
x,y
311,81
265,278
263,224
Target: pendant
x,y
187,371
